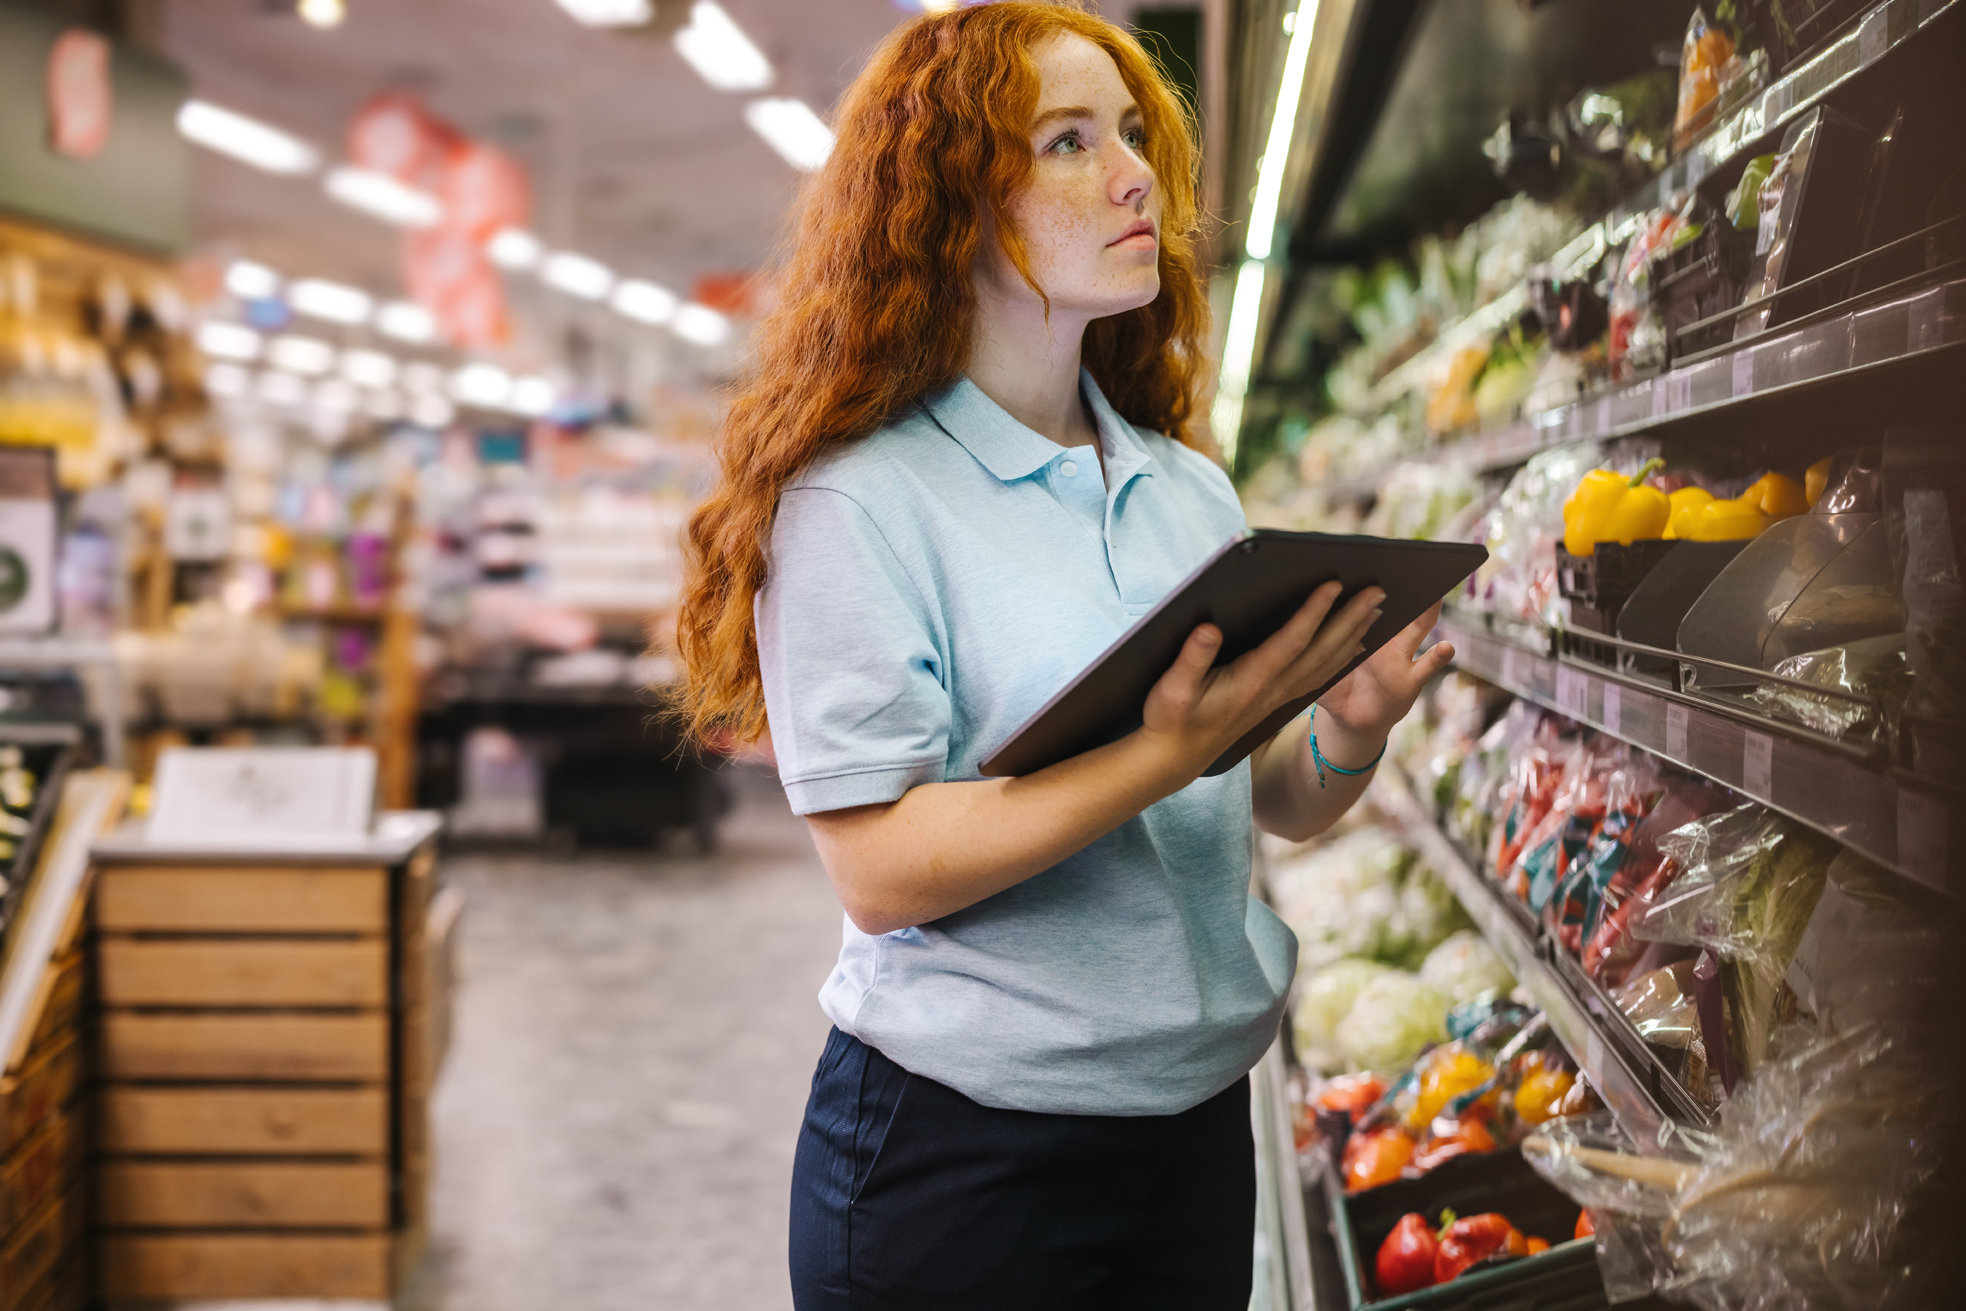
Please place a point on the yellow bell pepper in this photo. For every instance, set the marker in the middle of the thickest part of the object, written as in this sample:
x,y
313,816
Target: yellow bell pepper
x,y
1816,480
1608,507
1543,1085
1725,521
1449,1072
1777,496
1683,504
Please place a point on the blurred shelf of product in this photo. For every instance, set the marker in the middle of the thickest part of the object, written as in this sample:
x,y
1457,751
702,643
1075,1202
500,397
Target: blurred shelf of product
x,y
1678,338
550,566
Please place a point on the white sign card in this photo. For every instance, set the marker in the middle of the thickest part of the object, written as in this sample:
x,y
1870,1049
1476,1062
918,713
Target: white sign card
x,y
27,540
275,798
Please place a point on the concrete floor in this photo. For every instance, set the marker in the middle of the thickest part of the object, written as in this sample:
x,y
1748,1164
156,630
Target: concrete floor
x,y
634,1039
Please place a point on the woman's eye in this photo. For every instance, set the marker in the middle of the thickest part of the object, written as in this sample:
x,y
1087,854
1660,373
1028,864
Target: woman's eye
x,y
1136,137
1069,144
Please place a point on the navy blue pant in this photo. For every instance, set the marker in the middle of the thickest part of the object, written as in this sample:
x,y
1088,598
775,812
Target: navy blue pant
x,y
908,1196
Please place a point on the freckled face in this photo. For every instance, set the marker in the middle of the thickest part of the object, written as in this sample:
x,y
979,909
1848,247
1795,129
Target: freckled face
x,y
1090,217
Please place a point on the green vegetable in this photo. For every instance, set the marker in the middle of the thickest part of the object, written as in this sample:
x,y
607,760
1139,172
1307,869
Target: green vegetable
x,y
1323,1002
1393,1020
1771,909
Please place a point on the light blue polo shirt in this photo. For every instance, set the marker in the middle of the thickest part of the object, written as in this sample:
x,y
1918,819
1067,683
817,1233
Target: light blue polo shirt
x,y
929,588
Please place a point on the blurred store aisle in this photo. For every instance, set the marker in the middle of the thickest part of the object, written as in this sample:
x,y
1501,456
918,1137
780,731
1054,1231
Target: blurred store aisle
x,y
634,1039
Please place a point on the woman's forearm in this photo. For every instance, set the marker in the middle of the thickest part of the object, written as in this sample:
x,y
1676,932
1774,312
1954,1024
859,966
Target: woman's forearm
x,y
1288,799
946,846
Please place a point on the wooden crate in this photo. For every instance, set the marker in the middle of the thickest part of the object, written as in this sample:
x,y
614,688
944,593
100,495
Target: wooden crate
x,y
244,972
67,993
200,1121
250,1047
42,1166
226,899
38,1245
243,1194
65,1288
49,1081
161,1267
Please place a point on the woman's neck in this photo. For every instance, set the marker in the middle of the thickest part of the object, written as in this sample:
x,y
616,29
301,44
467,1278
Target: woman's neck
x,y
1030,367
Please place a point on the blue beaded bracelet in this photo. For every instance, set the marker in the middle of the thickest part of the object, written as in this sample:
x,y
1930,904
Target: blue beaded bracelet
x,y
1317,757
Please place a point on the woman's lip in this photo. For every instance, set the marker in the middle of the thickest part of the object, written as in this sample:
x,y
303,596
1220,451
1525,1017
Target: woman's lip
x,y
1133,234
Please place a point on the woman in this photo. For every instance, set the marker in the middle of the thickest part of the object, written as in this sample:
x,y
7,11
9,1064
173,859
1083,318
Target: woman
x,y
960,471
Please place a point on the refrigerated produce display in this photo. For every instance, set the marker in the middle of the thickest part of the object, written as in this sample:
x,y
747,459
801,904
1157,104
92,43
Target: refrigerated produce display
x,y
1667,308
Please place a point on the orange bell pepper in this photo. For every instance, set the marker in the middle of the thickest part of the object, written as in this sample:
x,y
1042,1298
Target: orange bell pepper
x,y
1777,496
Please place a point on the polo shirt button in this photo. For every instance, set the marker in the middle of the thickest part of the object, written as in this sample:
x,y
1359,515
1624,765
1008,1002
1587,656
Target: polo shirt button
x,y
1068,468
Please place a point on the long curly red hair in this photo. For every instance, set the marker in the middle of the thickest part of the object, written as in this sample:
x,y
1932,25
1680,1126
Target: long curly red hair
x,y
877,303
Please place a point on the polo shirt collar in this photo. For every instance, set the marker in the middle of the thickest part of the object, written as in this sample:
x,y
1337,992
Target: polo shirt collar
x,y
1011,451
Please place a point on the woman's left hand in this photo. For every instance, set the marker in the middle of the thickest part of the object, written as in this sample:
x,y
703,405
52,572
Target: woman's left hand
x,y
1367,702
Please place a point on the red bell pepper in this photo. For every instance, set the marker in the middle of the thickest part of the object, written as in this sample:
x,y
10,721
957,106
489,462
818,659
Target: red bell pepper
x,y
1584,1226
1406,1258
1474,1239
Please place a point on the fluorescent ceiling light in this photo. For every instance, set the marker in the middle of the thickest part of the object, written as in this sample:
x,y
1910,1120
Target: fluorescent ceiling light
x,y
1283,125
406,322
700,324
301,354
576,275
228,341
431,410
322,13
250,281
609,13
719,51
245,139
368,368
482,384
1238,355
383,197
330,300
790,127
282,388
227,380
514,248
531,396
645,302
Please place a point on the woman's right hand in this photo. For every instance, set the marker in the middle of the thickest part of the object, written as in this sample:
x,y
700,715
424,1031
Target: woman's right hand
x,y
1199,711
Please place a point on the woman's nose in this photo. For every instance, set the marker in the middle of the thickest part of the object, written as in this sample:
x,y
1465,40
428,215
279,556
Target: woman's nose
x,y
1129,179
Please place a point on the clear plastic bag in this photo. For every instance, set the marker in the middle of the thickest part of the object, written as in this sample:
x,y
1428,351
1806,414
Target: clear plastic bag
x,y
1873,667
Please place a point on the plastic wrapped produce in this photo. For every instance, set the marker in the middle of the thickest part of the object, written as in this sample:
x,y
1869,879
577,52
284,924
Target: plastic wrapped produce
x,y
1465,967
1798,1200
1393,1019
1521,531
1631,788
1871,667
1610,947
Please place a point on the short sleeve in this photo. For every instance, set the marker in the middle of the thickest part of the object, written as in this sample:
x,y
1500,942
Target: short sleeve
x,y
853,674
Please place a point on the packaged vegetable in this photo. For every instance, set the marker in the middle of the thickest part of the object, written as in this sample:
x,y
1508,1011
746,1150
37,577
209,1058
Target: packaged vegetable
x,y
1546,1080
1447,1072
1584,1226
1405,1263
1465,967
1375,1156
1394,1019
1351,1094
1703,60
1451,1136
1631,787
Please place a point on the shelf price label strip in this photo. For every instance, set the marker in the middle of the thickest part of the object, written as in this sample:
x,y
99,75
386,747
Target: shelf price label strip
x,y
1865,807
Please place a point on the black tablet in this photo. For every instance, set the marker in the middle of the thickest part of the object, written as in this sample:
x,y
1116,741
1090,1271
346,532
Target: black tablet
x,y
1249,589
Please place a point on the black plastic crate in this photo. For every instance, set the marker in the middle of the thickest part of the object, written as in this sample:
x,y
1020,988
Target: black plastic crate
x,y
1702,279
1565,1278
1598,585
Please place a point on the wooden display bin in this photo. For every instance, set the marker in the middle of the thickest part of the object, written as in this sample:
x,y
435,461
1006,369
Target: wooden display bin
x,y
270,1028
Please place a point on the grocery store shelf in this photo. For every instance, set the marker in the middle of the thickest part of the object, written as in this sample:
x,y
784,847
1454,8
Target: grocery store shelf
x,y
1891,819
1627,1086
1924,321
1284,1280
1881,31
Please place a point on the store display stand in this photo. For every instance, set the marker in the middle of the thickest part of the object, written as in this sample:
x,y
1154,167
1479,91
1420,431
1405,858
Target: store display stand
x,y
272,1024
